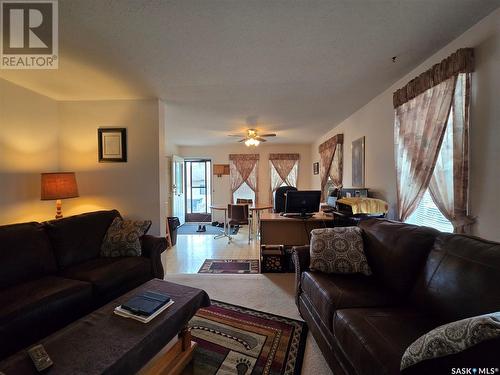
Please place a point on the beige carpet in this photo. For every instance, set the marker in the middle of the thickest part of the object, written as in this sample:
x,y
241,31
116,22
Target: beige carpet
x,y
273,293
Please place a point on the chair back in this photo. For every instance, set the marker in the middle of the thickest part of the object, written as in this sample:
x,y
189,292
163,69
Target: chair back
x,y
238,213
244,201
280,198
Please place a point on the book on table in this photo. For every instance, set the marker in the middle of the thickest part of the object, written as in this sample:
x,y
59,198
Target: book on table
x,y
144,307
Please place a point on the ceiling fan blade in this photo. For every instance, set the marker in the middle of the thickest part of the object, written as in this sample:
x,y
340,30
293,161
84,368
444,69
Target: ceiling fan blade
x,y
260,139
243,140
267,135
236,135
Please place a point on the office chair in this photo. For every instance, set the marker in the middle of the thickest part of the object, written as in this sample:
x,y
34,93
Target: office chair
x,y
280,198
238,215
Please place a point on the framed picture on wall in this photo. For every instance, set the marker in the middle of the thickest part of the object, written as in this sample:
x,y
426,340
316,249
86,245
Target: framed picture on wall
x,y
358,162
316,168
112,145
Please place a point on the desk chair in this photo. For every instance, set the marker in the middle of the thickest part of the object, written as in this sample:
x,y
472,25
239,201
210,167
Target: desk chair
x,y
238,215
250,224
280,198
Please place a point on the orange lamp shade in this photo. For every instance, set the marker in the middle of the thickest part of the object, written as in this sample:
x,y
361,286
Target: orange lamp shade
x,y
60,185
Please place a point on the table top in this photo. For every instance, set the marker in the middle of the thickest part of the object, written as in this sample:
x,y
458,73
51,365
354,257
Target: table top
x,y
219,207
103,342
318,216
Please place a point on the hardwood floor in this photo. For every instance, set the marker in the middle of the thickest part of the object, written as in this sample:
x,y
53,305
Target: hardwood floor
x,y
191,251
182,262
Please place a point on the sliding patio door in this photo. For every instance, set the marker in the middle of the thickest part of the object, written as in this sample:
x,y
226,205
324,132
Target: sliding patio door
x,y
198,190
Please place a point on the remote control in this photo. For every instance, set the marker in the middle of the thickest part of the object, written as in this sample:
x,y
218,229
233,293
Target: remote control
x,y
40,358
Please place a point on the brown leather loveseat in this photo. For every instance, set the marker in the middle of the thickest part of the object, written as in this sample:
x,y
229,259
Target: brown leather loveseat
x,y
51,274
421,279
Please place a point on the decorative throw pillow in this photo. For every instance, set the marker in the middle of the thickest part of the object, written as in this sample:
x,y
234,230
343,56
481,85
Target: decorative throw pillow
x,y
452,338
338,250
122,238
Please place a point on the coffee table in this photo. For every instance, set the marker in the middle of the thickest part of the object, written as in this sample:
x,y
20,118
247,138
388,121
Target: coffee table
x,y
103,342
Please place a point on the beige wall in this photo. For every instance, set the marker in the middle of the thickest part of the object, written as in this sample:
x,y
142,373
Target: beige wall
x,y
220,155
28,146
375,122
38,134
133,187
170,149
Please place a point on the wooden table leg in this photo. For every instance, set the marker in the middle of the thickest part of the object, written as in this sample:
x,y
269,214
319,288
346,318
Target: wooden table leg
x,y
185,337
174,360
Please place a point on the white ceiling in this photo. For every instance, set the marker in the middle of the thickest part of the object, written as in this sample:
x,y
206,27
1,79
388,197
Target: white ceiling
x,y
292,65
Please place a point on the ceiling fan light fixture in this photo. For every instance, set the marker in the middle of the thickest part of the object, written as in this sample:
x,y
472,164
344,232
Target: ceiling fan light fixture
x,y
252,142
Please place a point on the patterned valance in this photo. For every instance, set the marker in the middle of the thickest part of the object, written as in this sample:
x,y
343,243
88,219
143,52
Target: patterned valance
x,y
332,142
284,156
462,61
243,156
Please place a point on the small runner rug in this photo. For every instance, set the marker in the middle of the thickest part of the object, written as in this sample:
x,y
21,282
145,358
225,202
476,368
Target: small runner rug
x,y
219,266
236,340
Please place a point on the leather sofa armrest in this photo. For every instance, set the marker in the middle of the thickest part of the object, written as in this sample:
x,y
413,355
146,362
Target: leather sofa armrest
x,y
301,259
483,355
152,247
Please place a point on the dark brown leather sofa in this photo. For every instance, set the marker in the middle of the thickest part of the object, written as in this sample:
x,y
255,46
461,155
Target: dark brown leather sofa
x,y
421,279
51,274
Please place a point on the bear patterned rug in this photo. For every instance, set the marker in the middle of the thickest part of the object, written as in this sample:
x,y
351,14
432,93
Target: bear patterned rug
x,y
236,340
219,266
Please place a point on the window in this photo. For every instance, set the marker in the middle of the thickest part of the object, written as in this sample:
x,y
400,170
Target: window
x,y
244,192
281,165
198,186
428,214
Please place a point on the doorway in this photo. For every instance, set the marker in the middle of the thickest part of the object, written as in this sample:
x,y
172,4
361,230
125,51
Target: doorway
x,y
178,188
198,190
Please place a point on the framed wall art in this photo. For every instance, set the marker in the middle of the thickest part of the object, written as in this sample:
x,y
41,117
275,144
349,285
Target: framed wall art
x,y
316,168
358,162
112,145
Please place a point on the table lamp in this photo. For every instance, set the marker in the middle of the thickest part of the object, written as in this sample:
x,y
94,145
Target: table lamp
x,y
57,186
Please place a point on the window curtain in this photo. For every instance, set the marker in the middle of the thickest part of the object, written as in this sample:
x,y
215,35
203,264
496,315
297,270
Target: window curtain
x,y
243,168
331,163
284,169
335,173
431,117
450,180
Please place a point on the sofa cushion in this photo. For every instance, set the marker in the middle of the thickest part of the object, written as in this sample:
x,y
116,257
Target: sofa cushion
x,y
123,237
460,271
111,277
396,252
329,292
452,338
34,309
373,340
25,254
77,239
338,250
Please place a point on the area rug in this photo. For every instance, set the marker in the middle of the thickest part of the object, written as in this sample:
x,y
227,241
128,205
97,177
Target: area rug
x,y
191,228
219,266
236,340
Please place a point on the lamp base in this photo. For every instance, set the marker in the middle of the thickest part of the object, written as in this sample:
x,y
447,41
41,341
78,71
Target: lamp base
x,y
59,214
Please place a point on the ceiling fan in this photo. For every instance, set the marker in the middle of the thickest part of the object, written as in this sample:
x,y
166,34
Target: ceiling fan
x,y
252,137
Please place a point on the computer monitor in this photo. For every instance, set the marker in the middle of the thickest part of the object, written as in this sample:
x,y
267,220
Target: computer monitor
x,y
302,202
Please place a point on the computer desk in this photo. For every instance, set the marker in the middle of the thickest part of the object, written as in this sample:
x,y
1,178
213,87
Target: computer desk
x,y
279,230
